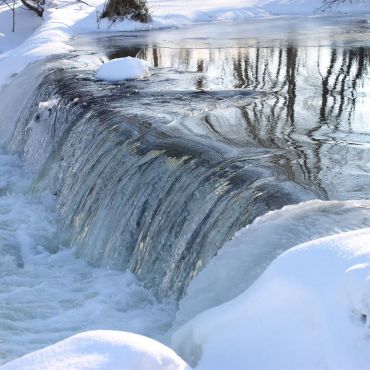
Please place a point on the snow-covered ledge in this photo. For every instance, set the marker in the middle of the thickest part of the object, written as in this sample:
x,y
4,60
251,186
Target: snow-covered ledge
x,y
102,349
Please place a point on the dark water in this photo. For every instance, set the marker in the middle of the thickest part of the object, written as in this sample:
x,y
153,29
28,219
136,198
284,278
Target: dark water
x,y
235,120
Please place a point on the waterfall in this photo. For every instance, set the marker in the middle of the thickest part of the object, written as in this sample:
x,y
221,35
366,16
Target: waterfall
x,y
158,194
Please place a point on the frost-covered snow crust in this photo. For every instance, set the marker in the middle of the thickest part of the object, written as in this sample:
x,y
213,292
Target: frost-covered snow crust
x,y
244,258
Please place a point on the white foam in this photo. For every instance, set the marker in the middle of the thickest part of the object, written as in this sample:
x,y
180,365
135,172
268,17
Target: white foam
x,y
47,294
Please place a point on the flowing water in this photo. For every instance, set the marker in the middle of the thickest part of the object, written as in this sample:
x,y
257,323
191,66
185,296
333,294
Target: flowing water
x,y
114,197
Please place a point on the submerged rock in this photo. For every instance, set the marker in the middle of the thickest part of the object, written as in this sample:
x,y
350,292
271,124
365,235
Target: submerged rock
x,y
123,69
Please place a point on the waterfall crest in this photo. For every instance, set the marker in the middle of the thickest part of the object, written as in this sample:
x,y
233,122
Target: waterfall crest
x,y
156,193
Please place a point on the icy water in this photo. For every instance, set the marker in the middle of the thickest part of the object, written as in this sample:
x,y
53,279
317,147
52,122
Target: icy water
x,y
113,197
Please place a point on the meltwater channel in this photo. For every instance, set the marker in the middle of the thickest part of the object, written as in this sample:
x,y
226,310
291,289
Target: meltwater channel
x,y
115,199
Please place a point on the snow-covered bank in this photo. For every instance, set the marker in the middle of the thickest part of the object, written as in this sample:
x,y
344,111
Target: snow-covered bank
x,y
309,310
244,258
179,13
108,350
25,24
49,39
64,19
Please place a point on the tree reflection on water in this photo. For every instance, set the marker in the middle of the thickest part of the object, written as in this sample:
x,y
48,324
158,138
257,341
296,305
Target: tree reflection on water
x,y
312,104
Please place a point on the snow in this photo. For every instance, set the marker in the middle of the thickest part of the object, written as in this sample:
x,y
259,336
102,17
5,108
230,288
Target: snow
x,y
10,97
309,310
244,258
123,69
49,39
26,24
101,350
175,13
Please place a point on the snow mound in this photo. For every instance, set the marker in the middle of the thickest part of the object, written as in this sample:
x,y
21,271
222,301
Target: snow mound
x,y
310,310
246,256
123,69
101,349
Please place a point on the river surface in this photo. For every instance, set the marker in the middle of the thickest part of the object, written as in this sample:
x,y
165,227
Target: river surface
x,y
113,197
308,83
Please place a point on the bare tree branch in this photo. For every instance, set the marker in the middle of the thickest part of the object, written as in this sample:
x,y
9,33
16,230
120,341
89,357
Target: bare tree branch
x,y
35,6
330,3
11,5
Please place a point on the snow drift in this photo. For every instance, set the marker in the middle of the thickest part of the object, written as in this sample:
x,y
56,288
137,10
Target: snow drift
x,y
247,255
103,349
309,310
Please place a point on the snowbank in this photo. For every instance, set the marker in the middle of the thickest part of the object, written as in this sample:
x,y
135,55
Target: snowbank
x,y
244,258
98,350
177,13
123,69
309,310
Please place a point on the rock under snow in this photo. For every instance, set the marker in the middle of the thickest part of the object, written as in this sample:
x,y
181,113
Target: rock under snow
x,y
101,350
123,69
310,310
